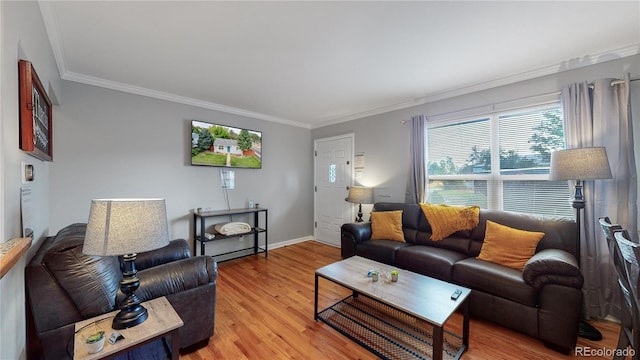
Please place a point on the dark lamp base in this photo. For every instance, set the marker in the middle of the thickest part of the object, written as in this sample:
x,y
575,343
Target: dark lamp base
x,y
131,317
359,217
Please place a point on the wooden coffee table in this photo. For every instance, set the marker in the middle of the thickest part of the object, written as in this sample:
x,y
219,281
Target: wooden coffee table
x,y
403,319
162,321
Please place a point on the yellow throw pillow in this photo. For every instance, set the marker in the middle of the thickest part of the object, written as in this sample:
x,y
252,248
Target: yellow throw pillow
x,y
508,246
387,225
446,220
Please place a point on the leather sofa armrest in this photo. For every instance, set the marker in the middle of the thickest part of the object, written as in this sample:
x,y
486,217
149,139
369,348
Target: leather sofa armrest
x,y
176,250
351,234
174,277
357,232
552,266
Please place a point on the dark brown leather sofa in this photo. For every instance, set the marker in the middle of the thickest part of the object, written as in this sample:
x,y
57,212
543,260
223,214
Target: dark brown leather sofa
x,y
543,301
64,286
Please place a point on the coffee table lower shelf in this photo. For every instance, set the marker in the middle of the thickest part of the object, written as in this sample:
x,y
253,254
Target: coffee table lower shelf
x,y
388,332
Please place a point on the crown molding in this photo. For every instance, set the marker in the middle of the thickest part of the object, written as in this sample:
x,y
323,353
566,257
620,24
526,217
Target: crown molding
x,y
51,26
50,22
137,90
571,64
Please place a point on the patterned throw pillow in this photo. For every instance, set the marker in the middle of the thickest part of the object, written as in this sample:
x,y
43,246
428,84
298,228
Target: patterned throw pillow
x,y
446,220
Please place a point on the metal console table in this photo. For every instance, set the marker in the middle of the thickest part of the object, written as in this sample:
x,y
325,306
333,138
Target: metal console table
x,y
256,230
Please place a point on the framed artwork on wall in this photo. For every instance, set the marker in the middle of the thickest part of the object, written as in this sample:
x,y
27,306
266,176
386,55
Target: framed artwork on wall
x,y
35,114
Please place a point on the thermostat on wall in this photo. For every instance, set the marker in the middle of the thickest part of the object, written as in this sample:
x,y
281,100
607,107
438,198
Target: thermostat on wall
x,y
27,172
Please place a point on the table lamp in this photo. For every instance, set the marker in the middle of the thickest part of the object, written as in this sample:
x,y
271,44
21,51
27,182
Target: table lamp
x,y
360,195
590,163
124,227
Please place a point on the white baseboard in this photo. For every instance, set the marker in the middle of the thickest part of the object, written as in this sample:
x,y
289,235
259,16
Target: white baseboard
x,y
296,241
289,242
326,243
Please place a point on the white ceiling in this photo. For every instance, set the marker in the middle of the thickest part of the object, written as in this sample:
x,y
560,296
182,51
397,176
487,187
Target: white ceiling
x,y
315,63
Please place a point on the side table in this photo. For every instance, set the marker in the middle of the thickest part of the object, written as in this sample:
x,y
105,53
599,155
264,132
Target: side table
x,y
162,321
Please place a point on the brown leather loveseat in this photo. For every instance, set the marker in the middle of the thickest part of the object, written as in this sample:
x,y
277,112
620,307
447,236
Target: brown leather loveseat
x,y
64,286
543,301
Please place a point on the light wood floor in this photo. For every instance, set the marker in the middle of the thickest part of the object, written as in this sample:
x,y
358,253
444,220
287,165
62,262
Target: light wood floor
x,y
265,311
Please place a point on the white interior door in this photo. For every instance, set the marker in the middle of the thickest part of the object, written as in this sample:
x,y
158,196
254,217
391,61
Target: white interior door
x,y
333,171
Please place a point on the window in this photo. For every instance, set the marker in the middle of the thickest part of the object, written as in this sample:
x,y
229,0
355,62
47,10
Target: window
x,y
332,173
498,161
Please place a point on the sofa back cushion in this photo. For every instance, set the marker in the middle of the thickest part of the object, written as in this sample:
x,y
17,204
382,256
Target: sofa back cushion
x,y
418,231
560,233
91,282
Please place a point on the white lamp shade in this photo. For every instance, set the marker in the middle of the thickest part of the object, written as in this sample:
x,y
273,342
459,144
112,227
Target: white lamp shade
x,y
580,164
126,226
360,195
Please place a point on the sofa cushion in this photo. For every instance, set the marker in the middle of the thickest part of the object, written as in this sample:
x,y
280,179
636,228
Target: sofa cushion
x,y
560,233
446,220
379,250
428,260
387,225
494,279
508,246
91,282
418,231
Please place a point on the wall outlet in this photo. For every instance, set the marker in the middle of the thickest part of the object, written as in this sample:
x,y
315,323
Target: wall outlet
x,y
206,209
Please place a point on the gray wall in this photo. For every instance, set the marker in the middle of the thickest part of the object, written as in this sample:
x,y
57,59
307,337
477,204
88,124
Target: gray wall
x,y
111,144
23,37
385,142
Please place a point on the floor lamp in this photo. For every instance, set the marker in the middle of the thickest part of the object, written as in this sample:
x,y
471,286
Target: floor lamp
x,y
580,164
360,195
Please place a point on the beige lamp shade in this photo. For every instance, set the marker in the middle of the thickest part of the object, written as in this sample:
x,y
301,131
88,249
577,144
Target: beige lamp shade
x,y
360,195
580,164
126,226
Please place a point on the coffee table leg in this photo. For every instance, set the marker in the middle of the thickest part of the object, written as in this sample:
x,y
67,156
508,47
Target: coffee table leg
x,y
437,342
315,301
465,324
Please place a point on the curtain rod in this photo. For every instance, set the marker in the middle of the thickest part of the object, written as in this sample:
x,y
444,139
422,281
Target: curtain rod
x,y
532,97
615,82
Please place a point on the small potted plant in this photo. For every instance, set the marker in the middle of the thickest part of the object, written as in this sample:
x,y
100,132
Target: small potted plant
x,y
394,275
95,342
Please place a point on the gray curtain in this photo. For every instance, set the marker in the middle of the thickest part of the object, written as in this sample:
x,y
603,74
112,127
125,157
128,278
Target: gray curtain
x,y
601,116
417,172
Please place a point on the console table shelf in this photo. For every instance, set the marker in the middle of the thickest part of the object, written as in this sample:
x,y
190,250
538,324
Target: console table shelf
x,y
199,217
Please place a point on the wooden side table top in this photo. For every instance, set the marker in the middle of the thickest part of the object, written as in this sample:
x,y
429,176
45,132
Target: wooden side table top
x,y
10,253
162,320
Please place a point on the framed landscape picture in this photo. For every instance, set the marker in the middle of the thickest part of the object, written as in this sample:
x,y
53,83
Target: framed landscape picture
x,y
35,114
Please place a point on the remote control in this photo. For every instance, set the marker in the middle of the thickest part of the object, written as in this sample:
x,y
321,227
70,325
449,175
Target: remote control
x,y
456,294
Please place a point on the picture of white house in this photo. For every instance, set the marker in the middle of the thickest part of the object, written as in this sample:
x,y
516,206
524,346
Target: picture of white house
x,y
226,146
